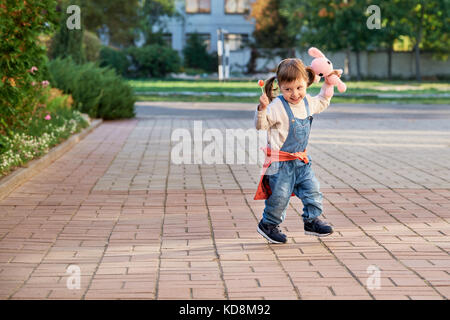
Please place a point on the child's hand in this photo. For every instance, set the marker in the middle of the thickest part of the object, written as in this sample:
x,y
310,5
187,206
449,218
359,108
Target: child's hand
x,y
263,102
336,72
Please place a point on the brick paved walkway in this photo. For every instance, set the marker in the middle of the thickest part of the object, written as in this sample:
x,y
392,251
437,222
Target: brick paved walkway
x,y
139,226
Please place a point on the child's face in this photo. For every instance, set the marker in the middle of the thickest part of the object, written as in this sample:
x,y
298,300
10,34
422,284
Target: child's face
x,y
293,91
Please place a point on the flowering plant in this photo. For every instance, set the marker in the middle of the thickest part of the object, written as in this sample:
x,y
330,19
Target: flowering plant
x,y
22,147
21,55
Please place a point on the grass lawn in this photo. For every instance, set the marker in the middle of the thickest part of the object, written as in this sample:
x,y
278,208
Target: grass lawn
x,y
150,90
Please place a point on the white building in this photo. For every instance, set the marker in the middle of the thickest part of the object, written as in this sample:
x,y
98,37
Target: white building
x,y
205,17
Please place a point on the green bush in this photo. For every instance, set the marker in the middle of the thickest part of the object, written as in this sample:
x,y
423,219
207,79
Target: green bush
x,y
115,59
197,57
36,140
92,46
154,60
49,124
97,91
20,50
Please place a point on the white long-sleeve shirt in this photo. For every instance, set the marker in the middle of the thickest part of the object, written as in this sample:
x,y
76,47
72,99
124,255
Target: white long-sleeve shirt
x,y
275,120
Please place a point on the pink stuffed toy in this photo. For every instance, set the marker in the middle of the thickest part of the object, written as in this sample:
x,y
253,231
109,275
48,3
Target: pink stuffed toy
x,y
323,67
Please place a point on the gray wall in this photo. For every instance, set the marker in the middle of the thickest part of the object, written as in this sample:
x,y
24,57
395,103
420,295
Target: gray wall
x,y
374,64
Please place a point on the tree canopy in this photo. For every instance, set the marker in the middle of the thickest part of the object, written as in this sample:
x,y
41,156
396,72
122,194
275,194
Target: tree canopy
x,y
337,25
117,18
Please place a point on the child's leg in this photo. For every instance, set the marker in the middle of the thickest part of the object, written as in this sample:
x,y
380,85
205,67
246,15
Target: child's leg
x,y
281,184
308,190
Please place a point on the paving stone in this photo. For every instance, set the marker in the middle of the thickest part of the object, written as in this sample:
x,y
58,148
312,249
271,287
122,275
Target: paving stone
x,y
141,226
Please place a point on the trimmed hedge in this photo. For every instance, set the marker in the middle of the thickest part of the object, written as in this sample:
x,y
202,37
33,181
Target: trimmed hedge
x,y
154,60
92,46
115,59
97,91
196,55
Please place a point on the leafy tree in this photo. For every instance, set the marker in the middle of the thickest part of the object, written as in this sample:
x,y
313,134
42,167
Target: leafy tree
x,y
270,31
270,38
126,21
20,49
151,22
437,29
351,26
117,18
340,25
428,25
68,42
393,26
310,23
331,25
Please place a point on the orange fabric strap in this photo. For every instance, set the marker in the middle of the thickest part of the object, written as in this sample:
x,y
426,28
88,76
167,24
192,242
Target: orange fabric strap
x,y
264,191
278,155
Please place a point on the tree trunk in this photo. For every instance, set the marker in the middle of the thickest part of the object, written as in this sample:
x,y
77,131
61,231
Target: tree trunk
x,y
358,67
347,63
417,55
292,52
417,46
252,65
390,53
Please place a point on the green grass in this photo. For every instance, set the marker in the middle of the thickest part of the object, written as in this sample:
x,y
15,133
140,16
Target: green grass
x,y
184,98
251,86
147,90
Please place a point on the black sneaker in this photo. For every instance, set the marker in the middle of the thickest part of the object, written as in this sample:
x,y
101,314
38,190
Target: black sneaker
x,y
271,232
317,228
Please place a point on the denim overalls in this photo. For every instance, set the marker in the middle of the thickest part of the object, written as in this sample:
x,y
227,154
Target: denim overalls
x,y
294,176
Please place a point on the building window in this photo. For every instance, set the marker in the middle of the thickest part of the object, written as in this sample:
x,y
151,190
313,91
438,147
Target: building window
x,y
167,38
198,6
237,6
205,38
235,40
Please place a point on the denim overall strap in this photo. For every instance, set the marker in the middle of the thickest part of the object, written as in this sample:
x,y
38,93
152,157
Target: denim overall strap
x,y
298,135
307,107
288,110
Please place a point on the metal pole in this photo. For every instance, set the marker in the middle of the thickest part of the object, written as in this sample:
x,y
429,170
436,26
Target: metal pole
x,y
227,61
220,52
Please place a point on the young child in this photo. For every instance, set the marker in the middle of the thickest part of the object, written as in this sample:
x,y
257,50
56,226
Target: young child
x,y
287,170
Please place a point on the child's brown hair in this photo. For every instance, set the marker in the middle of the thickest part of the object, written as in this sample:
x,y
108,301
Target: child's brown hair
x,y
289,70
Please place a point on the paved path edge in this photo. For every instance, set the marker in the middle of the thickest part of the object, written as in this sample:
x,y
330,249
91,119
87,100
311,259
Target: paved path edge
x,y
15,179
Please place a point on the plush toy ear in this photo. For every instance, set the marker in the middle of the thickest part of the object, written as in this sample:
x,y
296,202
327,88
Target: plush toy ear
x,y
315,53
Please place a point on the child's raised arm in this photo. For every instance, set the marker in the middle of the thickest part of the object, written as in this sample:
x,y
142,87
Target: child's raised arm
x,y
263,102
323,99
264,118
